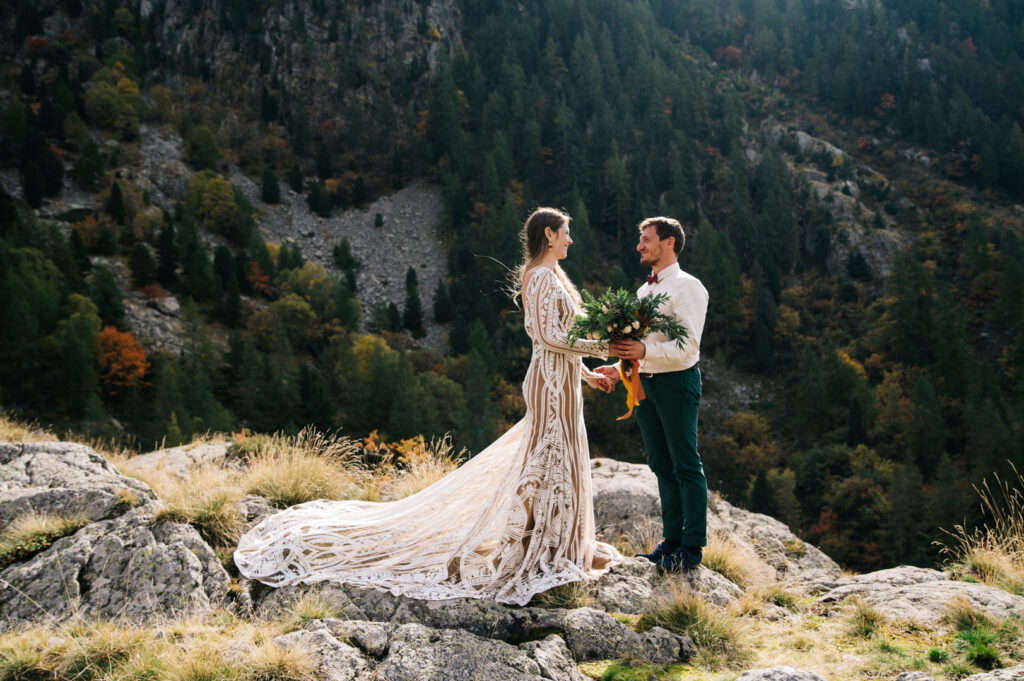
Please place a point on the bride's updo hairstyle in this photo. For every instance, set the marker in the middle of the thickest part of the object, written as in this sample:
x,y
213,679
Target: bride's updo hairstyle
x,y
535,247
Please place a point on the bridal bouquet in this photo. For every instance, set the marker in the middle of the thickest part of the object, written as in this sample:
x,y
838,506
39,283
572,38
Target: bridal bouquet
x,y
621,315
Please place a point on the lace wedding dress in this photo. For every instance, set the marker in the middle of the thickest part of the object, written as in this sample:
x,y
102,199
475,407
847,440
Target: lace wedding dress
x,y
513,521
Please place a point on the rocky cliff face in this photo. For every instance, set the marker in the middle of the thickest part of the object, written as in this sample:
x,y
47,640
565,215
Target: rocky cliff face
x,y
127,563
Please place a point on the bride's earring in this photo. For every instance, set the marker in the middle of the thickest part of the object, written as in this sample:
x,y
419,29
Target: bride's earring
x,y
550,245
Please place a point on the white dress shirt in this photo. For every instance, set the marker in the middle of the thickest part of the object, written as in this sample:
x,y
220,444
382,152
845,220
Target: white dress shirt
x,y
688,304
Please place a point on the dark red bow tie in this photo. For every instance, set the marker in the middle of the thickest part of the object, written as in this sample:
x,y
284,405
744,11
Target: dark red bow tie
x,y
652,279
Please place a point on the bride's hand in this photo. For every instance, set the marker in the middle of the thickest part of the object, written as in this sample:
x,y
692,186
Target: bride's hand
x,y
605,384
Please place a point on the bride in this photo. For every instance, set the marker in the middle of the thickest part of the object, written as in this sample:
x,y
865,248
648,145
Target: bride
x,y
513,521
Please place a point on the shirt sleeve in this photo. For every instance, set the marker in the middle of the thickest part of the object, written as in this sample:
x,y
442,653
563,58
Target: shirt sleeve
x,y
688,306
544,292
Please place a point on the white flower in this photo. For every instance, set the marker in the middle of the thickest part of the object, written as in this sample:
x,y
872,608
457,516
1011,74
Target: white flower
x,y
604,309
611,327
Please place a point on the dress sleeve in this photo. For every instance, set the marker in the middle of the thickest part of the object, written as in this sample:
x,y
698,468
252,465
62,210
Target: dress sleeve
x,y
544,291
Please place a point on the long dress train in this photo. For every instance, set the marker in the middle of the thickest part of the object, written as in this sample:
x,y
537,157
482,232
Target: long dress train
x,y
515,520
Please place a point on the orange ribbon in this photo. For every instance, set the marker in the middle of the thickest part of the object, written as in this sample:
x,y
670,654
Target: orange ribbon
x,y
634,389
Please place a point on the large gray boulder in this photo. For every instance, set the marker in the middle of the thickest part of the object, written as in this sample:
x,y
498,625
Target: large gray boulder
x,y
919,594
66,479
626,504
130,568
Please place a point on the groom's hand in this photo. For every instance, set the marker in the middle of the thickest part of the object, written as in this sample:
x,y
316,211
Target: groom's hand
x,y
627,349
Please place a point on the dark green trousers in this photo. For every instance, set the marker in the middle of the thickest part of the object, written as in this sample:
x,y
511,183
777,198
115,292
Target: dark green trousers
x,y
668,424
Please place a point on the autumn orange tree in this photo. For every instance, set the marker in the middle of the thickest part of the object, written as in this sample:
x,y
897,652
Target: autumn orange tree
x,y
122,360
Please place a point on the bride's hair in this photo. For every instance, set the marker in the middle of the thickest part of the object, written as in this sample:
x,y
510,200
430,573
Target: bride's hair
x,y
535,246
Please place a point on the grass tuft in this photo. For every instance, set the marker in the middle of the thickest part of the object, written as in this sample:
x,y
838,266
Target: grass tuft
x,y
961,614
716,635
208,502
864,621
310,606
571,595
35,532
311,466
994,552
734,562
271,662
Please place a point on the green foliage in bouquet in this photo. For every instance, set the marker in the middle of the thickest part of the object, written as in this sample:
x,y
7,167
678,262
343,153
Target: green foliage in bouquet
x,y
619,315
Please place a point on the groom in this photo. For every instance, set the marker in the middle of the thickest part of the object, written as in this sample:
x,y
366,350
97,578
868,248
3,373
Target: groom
x,y
671,381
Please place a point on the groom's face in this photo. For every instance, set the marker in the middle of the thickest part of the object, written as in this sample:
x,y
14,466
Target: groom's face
x,y
650,247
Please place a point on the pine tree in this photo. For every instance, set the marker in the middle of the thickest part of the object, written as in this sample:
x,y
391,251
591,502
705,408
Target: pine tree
x,y
198,272
115,204
77,362
760,498
412,315
319,200
167,256
270,192
33,184
295,180
324,166
52,169
482,419
107,297
394,319
443,311
79,252
90,165
143,266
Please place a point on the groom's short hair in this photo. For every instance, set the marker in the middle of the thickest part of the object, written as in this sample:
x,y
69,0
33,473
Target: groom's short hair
x,y
667,227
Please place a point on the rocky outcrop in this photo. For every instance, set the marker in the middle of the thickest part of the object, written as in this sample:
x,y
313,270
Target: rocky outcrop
x,y
919,594
590,634
60,478
346,649
626,504
128,568
125,566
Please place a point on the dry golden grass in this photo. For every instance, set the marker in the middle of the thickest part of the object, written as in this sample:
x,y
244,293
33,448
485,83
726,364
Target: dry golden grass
x,y
310,466
12,430
718,636
310,606
571,595
864,619
217,648
993,553
643,539
736,563
422,464
209,502
34,532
